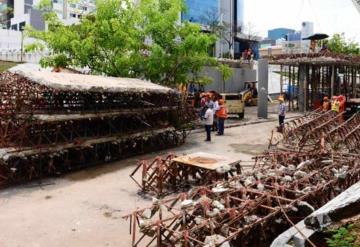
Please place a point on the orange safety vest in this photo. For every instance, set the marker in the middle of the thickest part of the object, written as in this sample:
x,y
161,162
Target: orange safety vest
x,y
222,112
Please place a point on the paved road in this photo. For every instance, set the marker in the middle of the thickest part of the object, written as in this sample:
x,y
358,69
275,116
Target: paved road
x,y
85,208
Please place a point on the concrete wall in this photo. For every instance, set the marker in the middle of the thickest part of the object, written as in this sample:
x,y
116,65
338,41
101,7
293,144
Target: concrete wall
x,y
10,47
234,84
15,56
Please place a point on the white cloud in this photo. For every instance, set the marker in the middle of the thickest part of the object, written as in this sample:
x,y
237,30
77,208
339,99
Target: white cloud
x,y
328,16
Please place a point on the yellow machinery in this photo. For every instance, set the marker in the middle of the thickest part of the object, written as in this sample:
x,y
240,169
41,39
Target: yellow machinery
x,y
249,94
234,103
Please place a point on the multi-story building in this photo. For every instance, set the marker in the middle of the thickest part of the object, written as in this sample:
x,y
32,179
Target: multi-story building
x,y
25,12
279,33
289,42
229,13
6,13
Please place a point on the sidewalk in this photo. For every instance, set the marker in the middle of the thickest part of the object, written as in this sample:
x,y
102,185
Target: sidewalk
x,y
252,118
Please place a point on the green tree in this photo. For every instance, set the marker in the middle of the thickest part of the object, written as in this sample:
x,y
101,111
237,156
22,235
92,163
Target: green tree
x,y
108,42
177,49
226,73
128,40
339,44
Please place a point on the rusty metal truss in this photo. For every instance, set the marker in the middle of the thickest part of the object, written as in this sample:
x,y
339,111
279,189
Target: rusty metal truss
x,y
319,131
248,209
166,175
47,131
315,159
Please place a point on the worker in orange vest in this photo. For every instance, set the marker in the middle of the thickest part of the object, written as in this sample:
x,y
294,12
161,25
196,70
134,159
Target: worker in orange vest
x,y
342,100
222,115
326,104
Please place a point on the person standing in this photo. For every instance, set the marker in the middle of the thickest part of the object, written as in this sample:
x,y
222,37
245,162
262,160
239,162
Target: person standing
x,y
282,112
326,104
209,120
222,115
215,109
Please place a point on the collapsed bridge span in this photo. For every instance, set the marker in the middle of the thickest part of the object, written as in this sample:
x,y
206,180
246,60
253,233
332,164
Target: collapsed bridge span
x,y
52,123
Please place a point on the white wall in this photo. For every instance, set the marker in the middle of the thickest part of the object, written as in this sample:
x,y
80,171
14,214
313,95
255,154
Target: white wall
x,y
19,8
10,47
11,40
15,56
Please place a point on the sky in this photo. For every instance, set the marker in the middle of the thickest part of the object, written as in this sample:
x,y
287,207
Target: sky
x,y
328,16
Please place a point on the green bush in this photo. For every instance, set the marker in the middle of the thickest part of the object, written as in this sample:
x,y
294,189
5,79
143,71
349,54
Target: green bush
x,y
342,237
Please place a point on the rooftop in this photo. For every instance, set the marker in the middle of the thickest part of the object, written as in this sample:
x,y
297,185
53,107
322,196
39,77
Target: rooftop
x,y
322,58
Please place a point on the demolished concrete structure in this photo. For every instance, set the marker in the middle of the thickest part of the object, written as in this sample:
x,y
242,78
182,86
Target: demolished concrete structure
x,y
342,206
52,123
285,185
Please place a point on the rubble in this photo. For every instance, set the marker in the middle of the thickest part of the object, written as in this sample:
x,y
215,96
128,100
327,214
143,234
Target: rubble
x,y
246,209
287,183
165,175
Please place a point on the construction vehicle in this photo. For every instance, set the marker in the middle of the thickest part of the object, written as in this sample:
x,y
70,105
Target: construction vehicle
x,y
249,94
234,103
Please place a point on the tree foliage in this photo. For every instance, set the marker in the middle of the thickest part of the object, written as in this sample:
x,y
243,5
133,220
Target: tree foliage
x,y
339,44
226,73
225,31
123,39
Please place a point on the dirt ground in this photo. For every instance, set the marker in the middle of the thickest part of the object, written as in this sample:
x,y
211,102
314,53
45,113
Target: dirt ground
x,y
85,208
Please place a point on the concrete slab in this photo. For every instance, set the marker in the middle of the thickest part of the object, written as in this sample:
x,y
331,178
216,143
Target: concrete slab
x,y
323,216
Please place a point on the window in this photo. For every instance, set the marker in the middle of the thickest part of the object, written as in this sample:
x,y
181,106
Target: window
x,y
84,8
22,26
72,15
199,10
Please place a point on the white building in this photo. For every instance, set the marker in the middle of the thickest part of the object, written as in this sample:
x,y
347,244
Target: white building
x,y
26,13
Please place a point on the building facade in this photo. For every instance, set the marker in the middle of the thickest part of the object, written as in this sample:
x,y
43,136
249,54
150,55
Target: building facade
x,y
6,13
26,13
292,42
230,13
279,33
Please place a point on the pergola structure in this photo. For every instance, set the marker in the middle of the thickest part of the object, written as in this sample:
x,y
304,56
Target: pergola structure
x,y
315,75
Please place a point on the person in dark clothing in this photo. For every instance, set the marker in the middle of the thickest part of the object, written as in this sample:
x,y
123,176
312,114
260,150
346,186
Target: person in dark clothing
x,y
209,120
282,112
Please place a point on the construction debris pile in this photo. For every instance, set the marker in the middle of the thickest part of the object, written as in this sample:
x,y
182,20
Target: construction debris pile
x,y
320,131
55,122
252,208
172,173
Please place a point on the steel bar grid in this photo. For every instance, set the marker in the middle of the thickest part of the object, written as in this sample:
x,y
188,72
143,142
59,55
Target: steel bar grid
x,y
45,130
315,160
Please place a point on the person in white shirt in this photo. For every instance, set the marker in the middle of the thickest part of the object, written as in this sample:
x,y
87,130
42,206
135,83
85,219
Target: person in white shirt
x,y
209,120
215,109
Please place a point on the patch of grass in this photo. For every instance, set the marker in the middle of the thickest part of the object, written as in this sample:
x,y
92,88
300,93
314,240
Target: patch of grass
x,y
6,65
343,237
